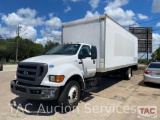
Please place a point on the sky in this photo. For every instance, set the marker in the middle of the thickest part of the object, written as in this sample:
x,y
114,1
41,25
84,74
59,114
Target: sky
x,y
41,20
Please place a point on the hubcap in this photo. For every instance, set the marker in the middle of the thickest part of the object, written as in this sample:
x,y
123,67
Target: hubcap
x,y
73,94
129,74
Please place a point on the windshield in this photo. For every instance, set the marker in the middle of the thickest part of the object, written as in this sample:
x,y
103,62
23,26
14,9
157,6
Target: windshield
x,y
154,65
64,49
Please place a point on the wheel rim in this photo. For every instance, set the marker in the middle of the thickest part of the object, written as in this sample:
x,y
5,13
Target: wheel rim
x,y
129,73
73,94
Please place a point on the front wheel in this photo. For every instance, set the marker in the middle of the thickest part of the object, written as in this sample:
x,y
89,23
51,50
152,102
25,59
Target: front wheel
x,y
70,96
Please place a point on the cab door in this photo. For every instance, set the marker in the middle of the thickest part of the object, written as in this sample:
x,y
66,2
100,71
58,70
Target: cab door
x,y
86,64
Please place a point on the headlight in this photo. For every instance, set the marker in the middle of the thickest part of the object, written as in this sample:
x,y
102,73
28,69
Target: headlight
x,y
52,78
57,78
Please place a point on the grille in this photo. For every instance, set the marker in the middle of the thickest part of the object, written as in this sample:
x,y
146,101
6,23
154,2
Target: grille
x,y
21,89
32,73
26,78
29,85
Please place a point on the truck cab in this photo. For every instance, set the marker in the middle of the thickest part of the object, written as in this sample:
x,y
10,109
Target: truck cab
x,y
59,74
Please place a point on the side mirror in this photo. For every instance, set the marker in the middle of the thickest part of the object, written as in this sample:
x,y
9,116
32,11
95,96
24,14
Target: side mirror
x,y
93,52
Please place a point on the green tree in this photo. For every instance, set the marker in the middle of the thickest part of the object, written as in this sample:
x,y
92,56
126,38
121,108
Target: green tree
x,y
28,48
156,54
3,49
11,49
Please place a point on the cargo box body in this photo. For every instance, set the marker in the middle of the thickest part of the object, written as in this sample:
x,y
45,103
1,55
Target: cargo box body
x,y
116,47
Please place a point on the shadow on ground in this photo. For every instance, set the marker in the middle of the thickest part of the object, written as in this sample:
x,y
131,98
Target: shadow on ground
x,y
47,108
151,85
33,107
106,82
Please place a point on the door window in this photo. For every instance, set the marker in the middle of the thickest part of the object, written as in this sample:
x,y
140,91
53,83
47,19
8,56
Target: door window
x,y
85,50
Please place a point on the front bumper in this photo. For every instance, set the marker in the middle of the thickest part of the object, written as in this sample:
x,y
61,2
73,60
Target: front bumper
x,y
34,93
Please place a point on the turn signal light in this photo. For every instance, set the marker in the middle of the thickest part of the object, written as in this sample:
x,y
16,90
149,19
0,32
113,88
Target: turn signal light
x,y
59,78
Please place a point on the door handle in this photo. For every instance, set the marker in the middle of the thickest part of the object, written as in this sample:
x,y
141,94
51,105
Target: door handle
x,y
94,61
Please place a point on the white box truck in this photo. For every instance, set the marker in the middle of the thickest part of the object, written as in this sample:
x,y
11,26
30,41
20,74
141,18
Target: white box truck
x,y
90,47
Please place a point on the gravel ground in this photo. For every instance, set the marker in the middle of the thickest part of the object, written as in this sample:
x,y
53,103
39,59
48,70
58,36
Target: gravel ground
x,y
140,70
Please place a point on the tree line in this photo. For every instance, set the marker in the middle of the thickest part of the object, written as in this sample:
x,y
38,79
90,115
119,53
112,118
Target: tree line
x,y
26,48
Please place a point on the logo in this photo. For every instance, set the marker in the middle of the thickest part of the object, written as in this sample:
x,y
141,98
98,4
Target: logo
x,y
25,73
51,66
147,112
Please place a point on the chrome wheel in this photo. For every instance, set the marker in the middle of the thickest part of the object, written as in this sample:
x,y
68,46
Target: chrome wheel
x,y
70,96
129,73
73,94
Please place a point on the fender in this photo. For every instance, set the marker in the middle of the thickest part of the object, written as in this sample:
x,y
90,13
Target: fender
x,y
68,70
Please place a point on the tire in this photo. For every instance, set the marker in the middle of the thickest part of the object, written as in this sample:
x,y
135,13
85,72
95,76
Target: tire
x,y
128,74
70,96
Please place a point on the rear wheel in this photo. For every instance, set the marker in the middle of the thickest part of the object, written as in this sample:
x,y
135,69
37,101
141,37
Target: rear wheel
x,y
70,96
128,74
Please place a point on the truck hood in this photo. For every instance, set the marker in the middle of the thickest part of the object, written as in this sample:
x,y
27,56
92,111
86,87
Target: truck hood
x,y
48,58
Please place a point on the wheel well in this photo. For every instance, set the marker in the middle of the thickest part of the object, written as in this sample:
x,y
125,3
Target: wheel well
x,y
77,78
